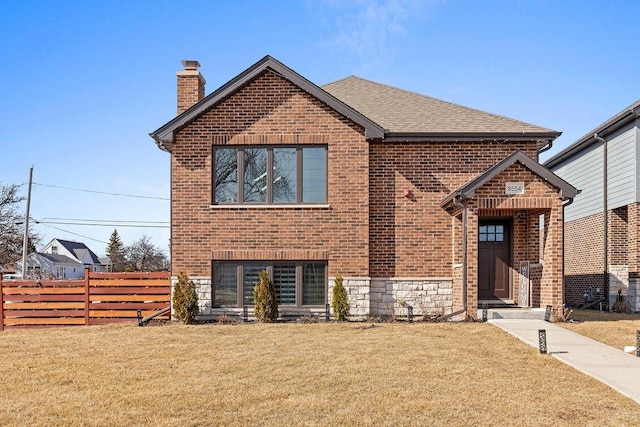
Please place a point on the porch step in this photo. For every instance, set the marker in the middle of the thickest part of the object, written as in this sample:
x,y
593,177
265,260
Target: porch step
x,y
513,313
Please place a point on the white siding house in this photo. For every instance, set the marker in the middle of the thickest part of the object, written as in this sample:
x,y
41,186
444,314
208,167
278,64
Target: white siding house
x,y
61,259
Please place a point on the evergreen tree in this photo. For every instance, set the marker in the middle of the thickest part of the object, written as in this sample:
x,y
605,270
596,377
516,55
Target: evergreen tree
x,y
115,251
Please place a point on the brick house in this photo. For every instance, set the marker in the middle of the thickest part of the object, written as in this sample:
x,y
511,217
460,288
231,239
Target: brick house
x,y
602,229
412,200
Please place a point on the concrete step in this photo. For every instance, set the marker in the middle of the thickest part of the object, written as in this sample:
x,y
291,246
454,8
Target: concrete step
x,y
513,313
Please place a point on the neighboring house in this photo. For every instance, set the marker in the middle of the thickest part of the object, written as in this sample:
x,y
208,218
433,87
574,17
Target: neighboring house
x,y
412,200
61,259
605,164
107,264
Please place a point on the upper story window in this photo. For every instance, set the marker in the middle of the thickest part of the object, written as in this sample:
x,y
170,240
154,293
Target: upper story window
x,y
270,175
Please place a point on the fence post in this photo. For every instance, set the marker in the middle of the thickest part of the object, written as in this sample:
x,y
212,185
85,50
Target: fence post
x,y
638,343
86,297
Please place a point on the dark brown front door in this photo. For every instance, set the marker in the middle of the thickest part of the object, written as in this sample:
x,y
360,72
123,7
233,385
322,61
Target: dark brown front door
x,y
494,259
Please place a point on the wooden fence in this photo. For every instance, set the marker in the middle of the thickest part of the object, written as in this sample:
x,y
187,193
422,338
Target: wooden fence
x,y
98,298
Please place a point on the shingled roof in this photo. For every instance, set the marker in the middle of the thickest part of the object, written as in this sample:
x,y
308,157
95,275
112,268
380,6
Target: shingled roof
x,y
402,112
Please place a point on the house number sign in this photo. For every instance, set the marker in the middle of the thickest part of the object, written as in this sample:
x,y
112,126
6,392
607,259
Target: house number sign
x,y
514,188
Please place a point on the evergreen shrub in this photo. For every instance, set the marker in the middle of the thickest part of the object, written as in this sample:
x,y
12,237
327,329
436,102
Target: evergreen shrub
x,y
185,300
340,301
264,296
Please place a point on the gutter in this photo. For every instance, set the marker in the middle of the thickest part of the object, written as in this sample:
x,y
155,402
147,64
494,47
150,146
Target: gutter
x,y
615,123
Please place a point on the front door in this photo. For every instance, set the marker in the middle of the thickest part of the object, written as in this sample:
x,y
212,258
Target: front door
x,y
494,259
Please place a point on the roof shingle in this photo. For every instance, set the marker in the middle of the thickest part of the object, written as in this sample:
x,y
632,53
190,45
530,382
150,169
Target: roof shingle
x,y
403,112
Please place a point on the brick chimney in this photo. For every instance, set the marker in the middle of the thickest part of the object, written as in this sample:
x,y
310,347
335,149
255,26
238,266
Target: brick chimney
x,y
190,85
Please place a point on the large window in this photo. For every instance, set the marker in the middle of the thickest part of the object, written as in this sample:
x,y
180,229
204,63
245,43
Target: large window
x,y
270,175
297,283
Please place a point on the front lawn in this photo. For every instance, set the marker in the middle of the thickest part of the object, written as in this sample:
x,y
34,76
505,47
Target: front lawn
x,y
615,329
294,374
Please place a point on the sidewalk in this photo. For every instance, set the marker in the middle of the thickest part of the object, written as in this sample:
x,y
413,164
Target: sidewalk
x,y
619,370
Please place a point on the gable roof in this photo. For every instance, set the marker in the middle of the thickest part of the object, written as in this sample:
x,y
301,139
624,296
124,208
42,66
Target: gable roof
x,y
467,190
165,135
404,113
56,258
629,114
79,250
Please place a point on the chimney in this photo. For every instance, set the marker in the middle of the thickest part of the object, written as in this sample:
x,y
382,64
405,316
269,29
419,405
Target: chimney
x,y
190,85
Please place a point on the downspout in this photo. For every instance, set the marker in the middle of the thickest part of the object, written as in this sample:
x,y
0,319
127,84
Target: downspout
x,y
456,202
546,147
564,205
605,208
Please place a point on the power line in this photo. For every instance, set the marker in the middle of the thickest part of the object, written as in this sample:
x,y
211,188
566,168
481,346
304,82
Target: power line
x,y
71,232
102,192
104,220
136,224
102,225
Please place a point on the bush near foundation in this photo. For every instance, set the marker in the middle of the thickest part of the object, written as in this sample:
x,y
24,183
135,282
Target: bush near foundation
x,y
266,301
185,300
340,301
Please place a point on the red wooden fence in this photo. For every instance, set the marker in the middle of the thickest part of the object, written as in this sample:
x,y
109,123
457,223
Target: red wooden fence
x,y
98,298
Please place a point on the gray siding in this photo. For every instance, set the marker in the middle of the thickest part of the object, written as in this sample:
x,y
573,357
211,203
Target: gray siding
x,y
637,159
584,171
622,167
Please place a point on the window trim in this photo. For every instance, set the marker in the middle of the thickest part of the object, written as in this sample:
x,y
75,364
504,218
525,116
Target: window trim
x,y
240,150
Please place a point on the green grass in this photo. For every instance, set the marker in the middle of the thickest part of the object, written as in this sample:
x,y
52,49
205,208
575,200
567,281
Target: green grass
x,y
294,374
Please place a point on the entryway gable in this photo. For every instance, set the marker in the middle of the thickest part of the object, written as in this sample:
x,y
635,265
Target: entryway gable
x,y
511,235
468,189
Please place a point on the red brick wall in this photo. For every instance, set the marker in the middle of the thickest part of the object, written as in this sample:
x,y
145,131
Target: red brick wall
x,y
633,242
540,197
272,111
584,257
617,236
411,236
584,250
371,228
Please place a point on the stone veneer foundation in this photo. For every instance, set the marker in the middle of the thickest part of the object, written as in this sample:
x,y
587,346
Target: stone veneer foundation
x,y
619,280
367,297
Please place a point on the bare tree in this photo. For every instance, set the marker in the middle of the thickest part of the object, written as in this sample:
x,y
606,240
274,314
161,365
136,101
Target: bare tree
x,y
11,231
142,255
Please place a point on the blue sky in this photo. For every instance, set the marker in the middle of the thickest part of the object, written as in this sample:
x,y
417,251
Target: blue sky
x,y
84,82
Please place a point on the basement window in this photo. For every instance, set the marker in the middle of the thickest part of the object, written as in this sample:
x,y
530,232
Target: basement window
x,y
297,283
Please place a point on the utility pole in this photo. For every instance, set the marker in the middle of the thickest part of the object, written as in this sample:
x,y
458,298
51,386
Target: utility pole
x,y
25,241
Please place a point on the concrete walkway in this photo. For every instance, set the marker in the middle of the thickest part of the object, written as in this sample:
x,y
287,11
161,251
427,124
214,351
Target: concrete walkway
x,y
617,369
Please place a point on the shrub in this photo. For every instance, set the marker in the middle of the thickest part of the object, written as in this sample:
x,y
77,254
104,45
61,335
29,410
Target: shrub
x,y
185,300
620,306
264,296
340,302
